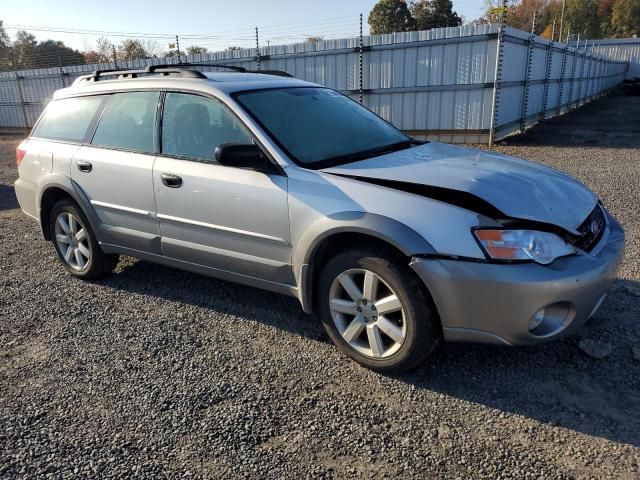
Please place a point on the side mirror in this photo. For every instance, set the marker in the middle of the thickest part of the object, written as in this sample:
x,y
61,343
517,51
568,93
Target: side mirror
x,y
242,155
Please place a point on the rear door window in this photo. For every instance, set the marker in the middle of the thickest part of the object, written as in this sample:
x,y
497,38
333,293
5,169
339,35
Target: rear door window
x,y
128,122
67,119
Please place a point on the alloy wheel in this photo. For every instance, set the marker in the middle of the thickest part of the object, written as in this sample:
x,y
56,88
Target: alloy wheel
x,y
72,241
367,313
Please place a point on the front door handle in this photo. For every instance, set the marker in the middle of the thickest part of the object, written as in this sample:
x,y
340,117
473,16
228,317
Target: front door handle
x,y
84,166
171,181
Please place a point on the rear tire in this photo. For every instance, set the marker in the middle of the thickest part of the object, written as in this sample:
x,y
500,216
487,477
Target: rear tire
x,y
377,311
76,244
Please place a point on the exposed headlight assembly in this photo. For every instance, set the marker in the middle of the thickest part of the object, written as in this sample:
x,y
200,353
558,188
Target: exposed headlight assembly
x,y
542,247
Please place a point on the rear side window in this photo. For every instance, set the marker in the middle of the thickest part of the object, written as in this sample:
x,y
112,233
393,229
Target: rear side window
x,y
128,122
67,119
193,126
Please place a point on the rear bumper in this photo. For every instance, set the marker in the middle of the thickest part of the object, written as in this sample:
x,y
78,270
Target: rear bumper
x,y
494,303
26,195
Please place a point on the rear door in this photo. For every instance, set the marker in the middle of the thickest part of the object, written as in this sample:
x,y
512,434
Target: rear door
x,y
115,171
227,218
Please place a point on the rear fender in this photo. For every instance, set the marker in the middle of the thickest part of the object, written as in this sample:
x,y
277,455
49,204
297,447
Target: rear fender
x,y
73,190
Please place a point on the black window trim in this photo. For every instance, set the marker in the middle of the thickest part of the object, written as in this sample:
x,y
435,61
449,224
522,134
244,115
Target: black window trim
x,y
95,120
93,124
86,141
318,165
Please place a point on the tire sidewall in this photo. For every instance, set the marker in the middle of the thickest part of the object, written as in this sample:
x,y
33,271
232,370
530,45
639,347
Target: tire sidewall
x,y
70,207
418,312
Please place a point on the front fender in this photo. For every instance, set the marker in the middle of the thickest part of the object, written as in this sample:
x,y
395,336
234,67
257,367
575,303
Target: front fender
x,y
383,228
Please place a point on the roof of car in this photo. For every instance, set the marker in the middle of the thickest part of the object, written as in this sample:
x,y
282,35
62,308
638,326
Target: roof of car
x,y
212,82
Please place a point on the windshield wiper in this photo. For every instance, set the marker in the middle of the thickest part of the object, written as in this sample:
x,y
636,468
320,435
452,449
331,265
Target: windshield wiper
x,y
373,152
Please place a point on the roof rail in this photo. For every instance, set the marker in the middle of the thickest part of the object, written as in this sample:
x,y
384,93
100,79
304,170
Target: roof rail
x,y
279,73
124,73
178,69
235,68
153,68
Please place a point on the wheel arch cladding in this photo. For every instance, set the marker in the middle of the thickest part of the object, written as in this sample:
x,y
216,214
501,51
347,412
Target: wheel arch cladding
x,y
328,233
52,193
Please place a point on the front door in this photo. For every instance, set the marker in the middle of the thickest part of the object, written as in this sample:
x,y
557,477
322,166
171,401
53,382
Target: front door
x,y
226,218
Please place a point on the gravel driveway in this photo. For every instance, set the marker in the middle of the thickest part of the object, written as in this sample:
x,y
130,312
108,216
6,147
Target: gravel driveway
x,y
153,372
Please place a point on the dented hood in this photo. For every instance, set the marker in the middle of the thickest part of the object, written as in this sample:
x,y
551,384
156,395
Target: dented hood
x,y
517,188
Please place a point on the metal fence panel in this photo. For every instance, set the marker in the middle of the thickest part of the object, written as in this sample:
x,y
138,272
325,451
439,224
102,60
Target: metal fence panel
x,y
620,49
434,84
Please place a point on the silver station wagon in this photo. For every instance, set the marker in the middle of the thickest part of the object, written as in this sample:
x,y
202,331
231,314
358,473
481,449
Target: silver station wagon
x,y
285,185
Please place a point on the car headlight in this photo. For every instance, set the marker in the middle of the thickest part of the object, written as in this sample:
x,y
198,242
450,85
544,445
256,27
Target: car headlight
x,y
542,247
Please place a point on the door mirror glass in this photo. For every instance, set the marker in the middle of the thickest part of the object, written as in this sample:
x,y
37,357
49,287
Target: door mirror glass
x,y
242,155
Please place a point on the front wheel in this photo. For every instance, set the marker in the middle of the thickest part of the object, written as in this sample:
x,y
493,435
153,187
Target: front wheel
x,y
76,244
376,311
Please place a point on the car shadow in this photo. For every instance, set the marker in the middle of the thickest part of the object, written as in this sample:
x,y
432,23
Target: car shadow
x,y
558,382
8,200
169,284
555,383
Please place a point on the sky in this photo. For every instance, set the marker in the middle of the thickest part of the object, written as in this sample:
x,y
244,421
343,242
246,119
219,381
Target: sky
x,y
215,24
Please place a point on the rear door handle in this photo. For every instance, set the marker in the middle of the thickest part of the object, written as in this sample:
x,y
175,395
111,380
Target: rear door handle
x,y
84,166
171,181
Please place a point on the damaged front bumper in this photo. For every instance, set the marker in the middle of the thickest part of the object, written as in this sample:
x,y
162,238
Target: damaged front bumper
x,y
521,304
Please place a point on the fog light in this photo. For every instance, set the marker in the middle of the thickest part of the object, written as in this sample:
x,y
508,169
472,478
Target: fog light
x,y
551,320
536,320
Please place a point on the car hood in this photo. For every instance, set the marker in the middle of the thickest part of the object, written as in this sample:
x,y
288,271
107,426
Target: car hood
x,y
517,188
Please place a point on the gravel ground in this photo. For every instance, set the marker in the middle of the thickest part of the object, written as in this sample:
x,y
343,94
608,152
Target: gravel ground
x,y
153,372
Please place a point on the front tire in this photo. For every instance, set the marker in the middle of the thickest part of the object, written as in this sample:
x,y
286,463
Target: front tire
x,y
76,244
376,310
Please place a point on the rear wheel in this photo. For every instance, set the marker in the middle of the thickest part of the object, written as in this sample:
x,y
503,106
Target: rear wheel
x,y
76,244
376,311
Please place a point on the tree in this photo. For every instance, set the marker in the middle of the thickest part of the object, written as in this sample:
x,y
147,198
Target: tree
x,y
153,48
5,49
4,38
605,10
492,12
521,15
103,53
581,17
625,18
131,49
52,53
23,49
547,32
388,16
430,14
196,50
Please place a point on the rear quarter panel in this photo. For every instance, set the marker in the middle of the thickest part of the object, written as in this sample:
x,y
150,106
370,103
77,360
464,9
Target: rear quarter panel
x,y
43,160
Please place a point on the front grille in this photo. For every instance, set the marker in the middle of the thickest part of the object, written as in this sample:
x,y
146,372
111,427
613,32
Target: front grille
x,y
591,230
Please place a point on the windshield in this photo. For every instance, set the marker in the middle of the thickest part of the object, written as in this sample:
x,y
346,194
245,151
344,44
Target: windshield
x,y
319,127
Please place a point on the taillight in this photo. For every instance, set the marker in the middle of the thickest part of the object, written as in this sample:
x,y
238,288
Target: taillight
x,y
20,152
